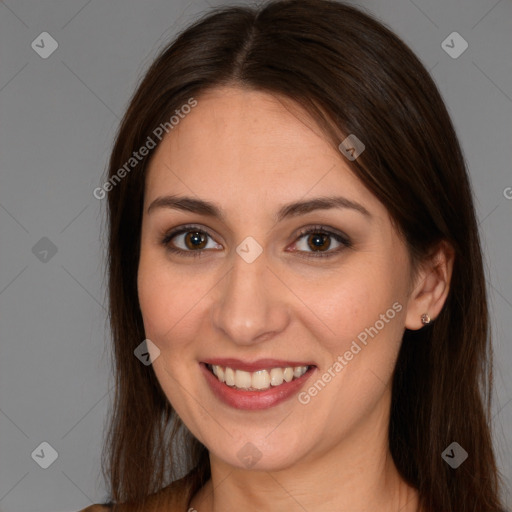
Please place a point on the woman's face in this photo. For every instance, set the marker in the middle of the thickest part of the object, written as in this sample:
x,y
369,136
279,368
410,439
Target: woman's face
x,y
250,292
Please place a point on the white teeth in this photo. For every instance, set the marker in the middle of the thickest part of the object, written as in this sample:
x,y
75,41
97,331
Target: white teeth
x,y
230,377
259,380
288,374
298,371
219,372
242,379
276,376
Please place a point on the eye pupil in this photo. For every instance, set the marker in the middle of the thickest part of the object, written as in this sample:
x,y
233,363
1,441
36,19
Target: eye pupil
x,y
195,240
319,241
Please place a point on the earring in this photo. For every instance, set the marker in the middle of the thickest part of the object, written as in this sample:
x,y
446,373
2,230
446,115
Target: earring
x,y
425,319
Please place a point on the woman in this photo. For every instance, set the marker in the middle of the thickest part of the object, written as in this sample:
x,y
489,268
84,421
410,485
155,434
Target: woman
x,y
297,296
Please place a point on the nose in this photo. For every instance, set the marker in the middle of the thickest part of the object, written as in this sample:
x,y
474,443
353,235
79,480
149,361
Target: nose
x,y
251,303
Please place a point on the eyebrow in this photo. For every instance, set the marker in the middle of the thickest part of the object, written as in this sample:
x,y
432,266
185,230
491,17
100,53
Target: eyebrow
x,y
295,209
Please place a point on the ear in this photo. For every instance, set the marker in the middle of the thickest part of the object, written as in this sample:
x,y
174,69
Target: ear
x,y
431,286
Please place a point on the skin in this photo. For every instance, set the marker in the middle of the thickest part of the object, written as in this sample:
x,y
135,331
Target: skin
x,y
262,151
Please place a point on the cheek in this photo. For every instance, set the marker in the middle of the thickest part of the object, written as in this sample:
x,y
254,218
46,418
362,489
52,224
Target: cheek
x,y
157,297
358,324
171,300
345,304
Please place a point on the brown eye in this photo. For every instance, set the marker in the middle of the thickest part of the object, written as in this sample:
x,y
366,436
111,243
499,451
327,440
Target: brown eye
x,y
318,242
195,240
189,240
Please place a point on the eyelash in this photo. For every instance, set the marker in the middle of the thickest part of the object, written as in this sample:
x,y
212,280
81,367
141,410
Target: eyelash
x,y
342,239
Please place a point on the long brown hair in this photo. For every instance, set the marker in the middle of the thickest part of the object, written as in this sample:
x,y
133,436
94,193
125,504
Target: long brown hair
x,y
353,76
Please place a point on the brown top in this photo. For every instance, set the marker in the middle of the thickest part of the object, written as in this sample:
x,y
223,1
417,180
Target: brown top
x,y
173,498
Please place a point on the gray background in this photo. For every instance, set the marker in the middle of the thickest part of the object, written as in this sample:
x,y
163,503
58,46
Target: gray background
x,y
58,118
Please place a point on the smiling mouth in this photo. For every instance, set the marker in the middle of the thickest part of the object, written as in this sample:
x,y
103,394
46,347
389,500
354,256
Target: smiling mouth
x,y
260,380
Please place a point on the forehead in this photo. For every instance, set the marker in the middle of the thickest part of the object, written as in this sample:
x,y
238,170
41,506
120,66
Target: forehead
x,y
251,145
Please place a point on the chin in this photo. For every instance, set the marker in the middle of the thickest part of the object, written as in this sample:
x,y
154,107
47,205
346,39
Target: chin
x,y
256,453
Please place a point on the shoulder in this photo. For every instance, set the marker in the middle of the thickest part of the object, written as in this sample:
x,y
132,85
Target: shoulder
x,y
174,497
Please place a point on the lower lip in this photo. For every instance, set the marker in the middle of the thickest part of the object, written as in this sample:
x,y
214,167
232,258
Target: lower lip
x,y
253,400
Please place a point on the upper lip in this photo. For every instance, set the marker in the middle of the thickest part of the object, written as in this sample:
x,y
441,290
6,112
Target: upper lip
x,y
259,364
